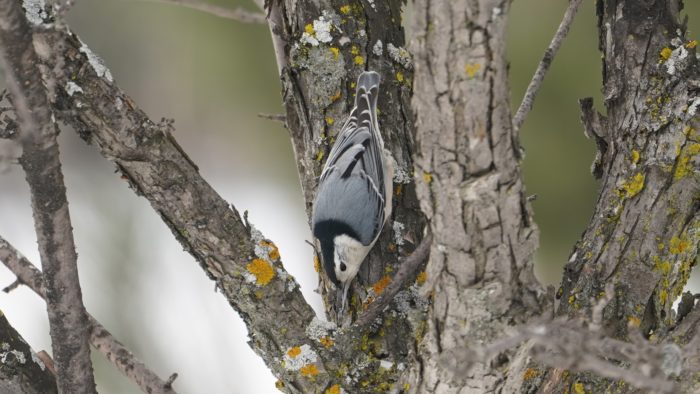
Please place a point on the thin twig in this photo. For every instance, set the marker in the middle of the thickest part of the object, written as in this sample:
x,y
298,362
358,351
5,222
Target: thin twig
x,y
237,14
408,269
100,338
12,286
536,82
274,117
69,327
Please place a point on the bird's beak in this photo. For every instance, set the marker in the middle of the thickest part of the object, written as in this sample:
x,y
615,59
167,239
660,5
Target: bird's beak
x,y
341,299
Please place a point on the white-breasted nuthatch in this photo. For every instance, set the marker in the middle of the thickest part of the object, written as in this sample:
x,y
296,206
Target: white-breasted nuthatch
x,y
354,193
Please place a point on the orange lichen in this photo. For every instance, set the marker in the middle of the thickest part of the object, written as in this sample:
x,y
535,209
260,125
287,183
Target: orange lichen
x,y
326,341
294,352
421,278
530,373
471,69
334,389
678,245
274,253
262,270
309,370
381,284
336,96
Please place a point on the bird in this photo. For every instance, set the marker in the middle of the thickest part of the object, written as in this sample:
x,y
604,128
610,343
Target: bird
x,y
354,197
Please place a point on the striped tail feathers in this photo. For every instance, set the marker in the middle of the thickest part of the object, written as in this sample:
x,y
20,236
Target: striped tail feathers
x,y
366,99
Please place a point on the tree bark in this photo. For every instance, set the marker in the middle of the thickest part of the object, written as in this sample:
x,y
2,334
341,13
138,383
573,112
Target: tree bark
x,y
40,160
472,191
21,370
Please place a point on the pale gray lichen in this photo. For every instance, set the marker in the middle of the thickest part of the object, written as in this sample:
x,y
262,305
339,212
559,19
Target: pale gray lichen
x,y
401,175
327,71
37,360
693,107
96,62
19,356
378,48
305,356
318,328
288,279
399,55
72,88
35,11
398,228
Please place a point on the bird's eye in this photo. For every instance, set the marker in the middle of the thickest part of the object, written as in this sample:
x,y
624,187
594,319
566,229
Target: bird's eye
x,y
343,267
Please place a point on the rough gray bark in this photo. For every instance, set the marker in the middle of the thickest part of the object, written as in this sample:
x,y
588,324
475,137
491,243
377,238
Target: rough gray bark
x,y
21,370
40,160
100,337
472,191
643,236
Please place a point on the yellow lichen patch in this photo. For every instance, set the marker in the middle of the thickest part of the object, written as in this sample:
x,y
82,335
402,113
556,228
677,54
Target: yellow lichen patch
x,y
309,28
634,185
530,373
572,299
579,389
391,247
471,69
326,341
309,370
663,267
329,121
262,270
359,60
692,44
381,284
633,321
294,352
427,177
355,50
345,9
280,385
317,264
319,156
665,54
635,156
684,167
335,51
406,386
421,278
399,76
334,389
663,296
678,245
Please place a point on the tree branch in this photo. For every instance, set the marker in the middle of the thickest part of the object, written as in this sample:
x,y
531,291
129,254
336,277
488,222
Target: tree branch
x,y
237,14
40,160
534,86
100,338
22,370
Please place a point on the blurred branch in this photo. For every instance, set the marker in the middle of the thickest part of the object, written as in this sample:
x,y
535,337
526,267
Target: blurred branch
x,y
536,82
41,163
282,118
22,372
237,14
100,338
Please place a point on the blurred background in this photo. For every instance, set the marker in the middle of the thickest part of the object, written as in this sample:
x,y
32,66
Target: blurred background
x,y
213,76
